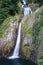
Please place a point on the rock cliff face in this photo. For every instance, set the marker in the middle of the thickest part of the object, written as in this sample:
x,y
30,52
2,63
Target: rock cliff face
x,y
8,40
31,27
31,37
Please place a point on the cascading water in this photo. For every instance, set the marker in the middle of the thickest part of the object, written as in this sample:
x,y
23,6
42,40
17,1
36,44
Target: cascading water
x,y
17,47
24,2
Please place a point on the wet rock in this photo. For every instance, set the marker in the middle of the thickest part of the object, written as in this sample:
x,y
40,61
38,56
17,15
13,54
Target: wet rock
x,y
31,37
8,41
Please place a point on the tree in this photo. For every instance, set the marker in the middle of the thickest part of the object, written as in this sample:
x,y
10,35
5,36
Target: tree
x,y
8,7
40,2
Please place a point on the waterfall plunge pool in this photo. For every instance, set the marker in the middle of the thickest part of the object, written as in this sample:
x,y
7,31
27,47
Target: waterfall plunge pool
x,y
13,60
17,61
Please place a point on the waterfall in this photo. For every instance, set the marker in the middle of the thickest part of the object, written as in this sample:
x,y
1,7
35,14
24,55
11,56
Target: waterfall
x,y
24,1
17,47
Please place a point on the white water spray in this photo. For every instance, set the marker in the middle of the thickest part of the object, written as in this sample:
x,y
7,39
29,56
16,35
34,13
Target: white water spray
x,y
17,47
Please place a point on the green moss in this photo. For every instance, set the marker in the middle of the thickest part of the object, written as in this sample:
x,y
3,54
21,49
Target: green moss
x,y
35,31
6,24
28,31
26,49
8,44
37,26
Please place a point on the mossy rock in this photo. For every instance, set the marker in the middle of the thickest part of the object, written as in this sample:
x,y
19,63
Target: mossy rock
x,y
31,28
8,35
6,24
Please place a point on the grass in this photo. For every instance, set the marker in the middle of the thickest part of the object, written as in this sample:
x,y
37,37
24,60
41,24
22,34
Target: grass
x,y
40,62
26,49
8,44
5,25
28,30
33,31
4,28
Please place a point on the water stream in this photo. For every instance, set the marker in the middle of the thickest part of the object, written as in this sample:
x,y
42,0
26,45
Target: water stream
x,y
15,59
17,47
